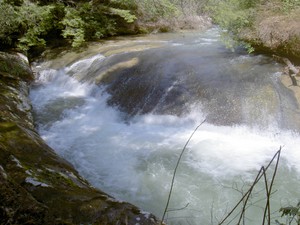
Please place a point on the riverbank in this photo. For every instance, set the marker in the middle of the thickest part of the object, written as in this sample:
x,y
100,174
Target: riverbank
x,y
276,34
36,185
270,28
274,28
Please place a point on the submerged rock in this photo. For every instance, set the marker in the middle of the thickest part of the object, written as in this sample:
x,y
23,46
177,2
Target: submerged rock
x,y
36,185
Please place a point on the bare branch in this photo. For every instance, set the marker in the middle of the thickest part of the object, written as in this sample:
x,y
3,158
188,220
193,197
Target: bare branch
x,y
172,210
267,207
175,170
246,196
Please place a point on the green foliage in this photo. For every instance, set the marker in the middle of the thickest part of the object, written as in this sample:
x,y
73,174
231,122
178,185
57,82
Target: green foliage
x,y
233,15
30,24
74,27
124,4
249,47
190,7
92,21
9,23
14,2
26,23
166,9
125,14
290,4
37,21
292,214
153,10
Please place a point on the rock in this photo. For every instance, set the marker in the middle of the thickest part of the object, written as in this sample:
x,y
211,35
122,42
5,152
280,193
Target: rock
x,y
36,185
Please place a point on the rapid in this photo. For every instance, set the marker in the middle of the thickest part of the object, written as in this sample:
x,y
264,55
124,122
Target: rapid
x,y
122,111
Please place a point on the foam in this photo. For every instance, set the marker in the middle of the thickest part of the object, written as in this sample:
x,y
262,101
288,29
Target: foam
x,y
134,161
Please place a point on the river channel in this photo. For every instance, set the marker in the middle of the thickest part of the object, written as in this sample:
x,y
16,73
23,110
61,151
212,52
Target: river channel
x,y
122,111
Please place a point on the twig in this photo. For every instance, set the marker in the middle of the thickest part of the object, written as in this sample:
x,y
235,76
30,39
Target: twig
x,y
269,190
247,194
175,170
212,214
172,210
267,207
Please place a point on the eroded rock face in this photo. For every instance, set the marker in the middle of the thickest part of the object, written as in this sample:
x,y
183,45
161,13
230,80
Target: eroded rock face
x,y
37,186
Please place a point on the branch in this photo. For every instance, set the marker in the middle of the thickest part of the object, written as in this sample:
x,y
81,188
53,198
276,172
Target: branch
x,y
247,194
293,71
175,170
269,190
182,208
267,207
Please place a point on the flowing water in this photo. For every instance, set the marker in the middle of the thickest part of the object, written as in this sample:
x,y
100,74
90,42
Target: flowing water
x,y
122,111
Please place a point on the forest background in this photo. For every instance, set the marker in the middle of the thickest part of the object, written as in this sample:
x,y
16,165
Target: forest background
x,y
30,26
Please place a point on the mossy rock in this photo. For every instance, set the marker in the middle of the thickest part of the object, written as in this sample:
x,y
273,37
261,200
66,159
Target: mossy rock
x,y
36,185
15,66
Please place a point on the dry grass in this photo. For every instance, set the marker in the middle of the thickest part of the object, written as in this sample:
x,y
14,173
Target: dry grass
x,y
193,22
276,29
182,22
276,26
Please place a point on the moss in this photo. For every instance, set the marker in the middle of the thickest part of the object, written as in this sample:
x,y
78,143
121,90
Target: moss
x,y
38,187
18,206
7,126
14,105
15,66
64,201
56,179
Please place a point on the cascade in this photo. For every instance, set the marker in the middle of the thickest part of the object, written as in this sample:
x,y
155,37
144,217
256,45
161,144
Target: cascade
x,y
122,114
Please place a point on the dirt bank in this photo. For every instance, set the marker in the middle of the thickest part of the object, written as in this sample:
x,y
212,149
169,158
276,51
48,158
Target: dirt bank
x,y
275,31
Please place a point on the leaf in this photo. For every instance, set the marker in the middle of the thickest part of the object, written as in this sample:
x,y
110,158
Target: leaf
x,y
125,14
289,211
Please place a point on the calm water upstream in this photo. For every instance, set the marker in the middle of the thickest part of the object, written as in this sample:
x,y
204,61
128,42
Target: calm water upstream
x,y
122,111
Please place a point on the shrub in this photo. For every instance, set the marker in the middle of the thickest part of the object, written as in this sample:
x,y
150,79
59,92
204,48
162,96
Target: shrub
x,y
29,24
37,21
233,15
73,27
9,23
154,10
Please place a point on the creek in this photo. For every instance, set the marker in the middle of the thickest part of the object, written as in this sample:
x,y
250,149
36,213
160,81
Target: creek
x,y
122,111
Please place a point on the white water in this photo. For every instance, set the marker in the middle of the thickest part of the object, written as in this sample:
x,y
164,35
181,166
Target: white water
x,y
134,161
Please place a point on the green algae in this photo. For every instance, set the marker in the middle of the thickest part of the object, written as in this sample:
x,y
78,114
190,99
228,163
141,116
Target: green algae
x,y
7,126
